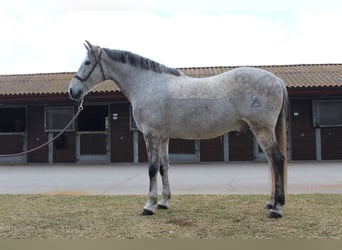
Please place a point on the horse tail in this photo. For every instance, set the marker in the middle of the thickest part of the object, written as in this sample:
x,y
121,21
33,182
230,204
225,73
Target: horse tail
x,y
281,131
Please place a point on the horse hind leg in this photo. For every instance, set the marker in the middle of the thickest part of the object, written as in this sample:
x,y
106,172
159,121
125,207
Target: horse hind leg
x,y
267,141
163,169
278,194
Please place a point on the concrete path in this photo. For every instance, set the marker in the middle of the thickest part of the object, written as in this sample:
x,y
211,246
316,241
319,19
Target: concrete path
x,y
200,178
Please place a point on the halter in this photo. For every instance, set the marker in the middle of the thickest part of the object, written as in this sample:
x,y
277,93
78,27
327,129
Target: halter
x,y
98,62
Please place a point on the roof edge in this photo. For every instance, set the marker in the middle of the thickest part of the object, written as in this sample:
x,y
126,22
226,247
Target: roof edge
x,y
199,67
261,66
39,74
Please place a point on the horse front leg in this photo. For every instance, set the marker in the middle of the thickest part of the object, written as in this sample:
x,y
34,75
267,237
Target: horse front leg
x,y
153,148
163,169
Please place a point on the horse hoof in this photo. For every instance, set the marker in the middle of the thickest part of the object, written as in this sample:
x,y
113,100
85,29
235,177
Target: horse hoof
x,y
160,206
146,212
274,214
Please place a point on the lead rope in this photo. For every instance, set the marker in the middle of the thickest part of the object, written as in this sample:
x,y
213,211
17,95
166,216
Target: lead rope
x,y
79,109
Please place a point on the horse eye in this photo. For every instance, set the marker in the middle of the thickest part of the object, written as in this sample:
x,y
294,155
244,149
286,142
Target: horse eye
x,y
87,63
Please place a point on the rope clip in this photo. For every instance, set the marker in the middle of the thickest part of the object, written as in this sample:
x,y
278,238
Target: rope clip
x,y
80,107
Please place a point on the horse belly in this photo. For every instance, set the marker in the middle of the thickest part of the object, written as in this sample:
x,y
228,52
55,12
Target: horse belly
x,y
195,131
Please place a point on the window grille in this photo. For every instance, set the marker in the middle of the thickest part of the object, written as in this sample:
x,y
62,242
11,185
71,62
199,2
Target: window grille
x,y
327,113
56,118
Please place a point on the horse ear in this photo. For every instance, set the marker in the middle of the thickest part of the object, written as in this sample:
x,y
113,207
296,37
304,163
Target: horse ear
x,y
91,48
87,43
86,46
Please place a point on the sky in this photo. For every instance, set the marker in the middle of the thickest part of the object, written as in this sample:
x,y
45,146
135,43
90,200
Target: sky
x,y
41,36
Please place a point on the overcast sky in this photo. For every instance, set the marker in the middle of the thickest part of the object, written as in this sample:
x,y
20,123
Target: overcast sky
x,y
39,36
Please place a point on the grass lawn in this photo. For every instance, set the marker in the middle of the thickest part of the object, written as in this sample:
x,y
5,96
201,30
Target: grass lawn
x,y
189,216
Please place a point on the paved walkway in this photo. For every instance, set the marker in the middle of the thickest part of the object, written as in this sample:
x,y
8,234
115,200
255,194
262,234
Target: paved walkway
x,y
200,178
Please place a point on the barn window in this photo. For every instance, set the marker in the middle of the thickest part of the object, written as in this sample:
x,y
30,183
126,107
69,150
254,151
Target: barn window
x,y
56,118
327,113
12,120
93,118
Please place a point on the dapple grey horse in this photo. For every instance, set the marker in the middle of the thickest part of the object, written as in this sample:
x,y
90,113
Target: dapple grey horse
x,y
168,104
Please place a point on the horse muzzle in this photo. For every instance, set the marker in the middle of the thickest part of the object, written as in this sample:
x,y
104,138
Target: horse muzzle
x,y
76,90
75,94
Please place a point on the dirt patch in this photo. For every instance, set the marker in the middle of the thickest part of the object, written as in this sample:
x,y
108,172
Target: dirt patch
x,y
67,192
181,222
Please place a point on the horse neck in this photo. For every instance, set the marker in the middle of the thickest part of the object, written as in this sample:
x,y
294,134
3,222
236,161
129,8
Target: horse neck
x,y
131,80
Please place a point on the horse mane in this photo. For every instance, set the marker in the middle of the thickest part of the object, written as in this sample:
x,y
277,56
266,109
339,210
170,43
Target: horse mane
x,y
140,62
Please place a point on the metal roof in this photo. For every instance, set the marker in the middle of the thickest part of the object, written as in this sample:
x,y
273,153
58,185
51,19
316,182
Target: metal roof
x,y
294,76
45,84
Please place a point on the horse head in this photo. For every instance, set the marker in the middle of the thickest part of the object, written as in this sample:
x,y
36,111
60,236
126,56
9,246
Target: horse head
x,y
89,74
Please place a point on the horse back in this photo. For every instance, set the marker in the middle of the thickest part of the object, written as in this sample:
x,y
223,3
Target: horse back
x,y
243,91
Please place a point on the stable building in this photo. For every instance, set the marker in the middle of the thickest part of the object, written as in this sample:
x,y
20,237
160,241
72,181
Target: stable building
x,y
35,107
